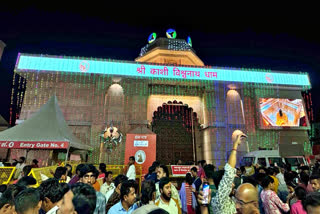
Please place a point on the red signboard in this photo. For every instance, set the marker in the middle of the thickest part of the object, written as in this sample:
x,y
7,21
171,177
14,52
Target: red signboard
x,y
180,170
143,148
34,144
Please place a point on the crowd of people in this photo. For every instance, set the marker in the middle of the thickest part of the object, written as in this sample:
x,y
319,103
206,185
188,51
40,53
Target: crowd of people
x,y
205,190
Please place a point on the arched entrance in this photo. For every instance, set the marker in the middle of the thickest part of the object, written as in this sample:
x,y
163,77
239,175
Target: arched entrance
x,y
175,124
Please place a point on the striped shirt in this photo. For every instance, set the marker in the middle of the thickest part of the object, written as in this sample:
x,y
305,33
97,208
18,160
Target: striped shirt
x,y
188,194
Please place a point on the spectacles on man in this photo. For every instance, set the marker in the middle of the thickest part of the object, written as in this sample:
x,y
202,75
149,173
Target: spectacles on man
x,y
241,202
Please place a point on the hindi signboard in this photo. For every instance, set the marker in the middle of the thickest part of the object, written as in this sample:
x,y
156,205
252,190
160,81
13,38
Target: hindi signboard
x,y
143,148
180,170
30,63
34,144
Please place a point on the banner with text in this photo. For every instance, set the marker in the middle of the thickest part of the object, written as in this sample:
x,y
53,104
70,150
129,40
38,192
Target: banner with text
x,y
27,63
143,148
34,144
180,170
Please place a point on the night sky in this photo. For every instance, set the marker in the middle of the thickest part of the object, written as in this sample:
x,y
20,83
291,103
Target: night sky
x,y
266,39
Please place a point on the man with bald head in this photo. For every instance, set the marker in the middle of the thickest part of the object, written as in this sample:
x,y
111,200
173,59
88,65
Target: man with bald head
x,y
246,199
223,203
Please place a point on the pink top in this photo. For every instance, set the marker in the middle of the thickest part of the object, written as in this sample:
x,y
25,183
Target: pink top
x,y
201,173
102,175
272,203
297,208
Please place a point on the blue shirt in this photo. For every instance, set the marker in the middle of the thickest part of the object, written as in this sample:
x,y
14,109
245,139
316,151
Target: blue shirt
x,y
100,204
260,201
153,177
118,209
197,182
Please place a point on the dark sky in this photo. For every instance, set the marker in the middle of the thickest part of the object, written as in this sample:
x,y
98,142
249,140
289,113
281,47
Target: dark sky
x,y
278,39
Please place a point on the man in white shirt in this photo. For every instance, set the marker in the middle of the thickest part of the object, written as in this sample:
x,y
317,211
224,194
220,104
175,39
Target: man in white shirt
x,y
131,173
21,163
108,186
162,172
165,201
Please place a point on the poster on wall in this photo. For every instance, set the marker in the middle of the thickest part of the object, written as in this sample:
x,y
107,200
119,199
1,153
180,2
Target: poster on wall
x,y
278,112
143,148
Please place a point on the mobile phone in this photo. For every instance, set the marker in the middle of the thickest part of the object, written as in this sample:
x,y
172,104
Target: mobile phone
x,y
205,189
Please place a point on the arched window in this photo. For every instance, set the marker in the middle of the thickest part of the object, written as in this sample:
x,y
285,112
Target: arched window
x,y
234,108
114,104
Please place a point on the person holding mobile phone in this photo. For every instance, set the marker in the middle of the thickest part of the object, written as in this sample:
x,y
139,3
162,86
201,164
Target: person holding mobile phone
x,y
223,203
206,191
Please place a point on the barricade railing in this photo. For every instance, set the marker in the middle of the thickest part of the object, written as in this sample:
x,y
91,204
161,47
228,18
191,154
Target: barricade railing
x,y
6,174
121,169
40,174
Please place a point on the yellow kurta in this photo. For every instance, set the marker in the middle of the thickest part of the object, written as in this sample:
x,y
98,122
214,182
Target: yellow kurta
x,y
276,183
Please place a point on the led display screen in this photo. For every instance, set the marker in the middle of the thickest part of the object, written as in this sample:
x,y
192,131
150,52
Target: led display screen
x,y
277,112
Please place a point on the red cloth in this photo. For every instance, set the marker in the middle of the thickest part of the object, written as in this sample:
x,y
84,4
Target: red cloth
x,y
190,209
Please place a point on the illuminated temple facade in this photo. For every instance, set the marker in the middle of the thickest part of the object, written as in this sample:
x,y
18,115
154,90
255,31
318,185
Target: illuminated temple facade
x,y
192,108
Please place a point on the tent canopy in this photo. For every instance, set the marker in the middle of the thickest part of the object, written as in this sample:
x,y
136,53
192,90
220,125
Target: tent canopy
x,y
47,125
3,122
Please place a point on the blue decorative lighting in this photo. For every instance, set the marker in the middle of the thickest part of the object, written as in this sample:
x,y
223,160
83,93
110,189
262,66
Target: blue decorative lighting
x,y
152,37
189,41
27,63
171,33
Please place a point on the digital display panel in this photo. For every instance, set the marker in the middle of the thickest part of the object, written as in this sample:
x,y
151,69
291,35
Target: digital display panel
x,y
279,112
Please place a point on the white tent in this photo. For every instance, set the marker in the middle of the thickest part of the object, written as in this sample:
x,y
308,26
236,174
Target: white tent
x,y
47,128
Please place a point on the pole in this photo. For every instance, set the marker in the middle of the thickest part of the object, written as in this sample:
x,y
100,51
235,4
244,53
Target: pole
x,y
27,151
244,122
101,151
193,141
65,162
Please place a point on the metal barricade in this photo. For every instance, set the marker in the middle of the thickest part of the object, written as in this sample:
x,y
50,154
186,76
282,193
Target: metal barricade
x,y
6,174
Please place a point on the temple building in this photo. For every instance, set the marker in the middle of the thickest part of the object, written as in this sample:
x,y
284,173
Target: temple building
x,y
191,107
